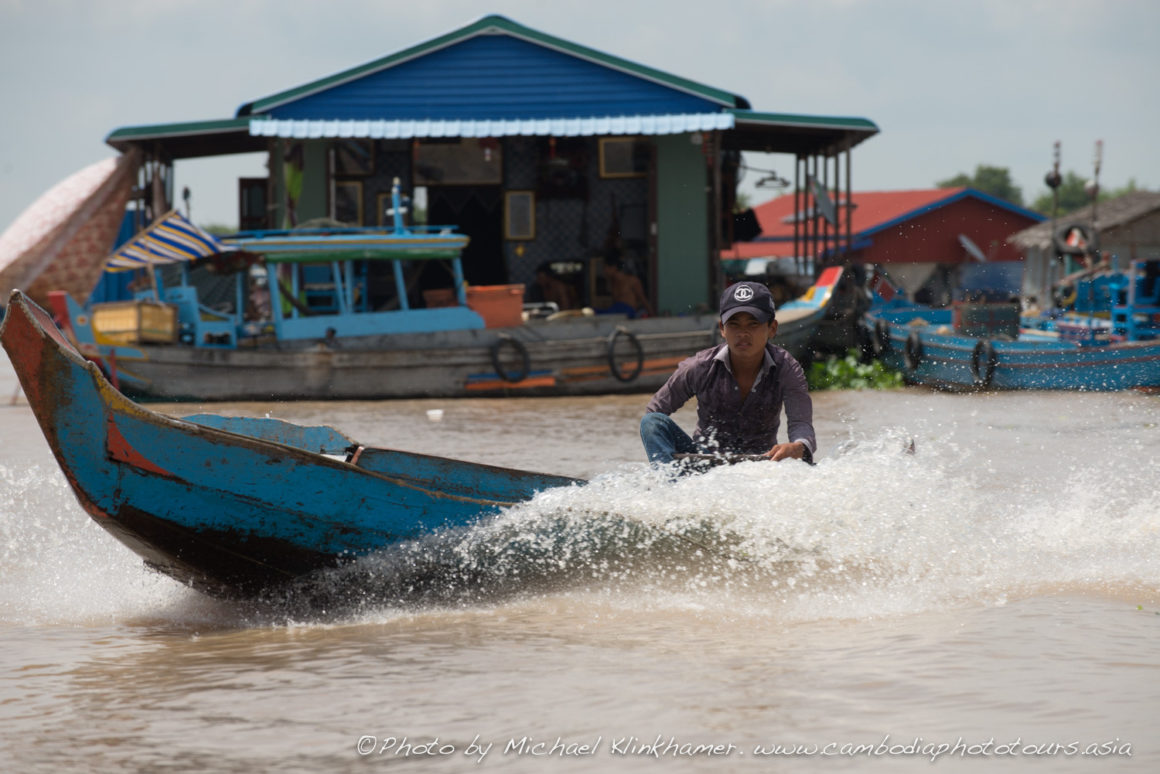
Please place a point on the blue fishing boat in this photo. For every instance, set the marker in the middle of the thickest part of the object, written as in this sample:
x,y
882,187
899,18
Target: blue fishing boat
x,y
236,507
329,313
801,322
1110,340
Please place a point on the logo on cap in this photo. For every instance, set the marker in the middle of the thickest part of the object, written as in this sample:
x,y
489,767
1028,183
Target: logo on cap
x,y
743,293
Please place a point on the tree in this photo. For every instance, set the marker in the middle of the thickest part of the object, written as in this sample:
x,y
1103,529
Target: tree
x,y
1073,195
995,181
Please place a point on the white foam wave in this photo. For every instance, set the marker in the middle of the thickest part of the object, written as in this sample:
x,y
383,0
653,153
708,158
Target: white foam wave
x,y
869,531
58,566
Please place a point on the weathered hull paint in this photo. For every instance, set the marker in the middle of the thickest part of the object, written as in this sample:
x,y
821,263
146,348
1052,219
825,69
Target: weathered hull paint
x,y
444,365
950,361
218,505
601,354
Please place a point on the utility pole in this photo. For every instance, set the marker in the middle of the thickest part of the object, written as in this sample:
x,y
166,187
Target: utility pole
x,y
1053,180
1093,190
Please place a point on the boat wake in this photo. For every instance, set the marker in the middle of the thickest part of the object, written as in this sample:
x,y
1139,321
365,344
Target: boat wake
x,y
57,564
869,531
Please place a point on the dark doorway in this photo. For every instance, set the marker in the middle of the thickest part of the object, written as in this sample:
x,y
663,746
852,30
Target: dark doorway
x,y
253,214
478,212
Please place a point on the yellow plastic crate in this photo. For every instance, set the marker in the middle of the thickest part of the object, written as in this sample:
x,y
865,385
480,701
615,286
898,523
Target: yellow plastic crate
x,y
135,322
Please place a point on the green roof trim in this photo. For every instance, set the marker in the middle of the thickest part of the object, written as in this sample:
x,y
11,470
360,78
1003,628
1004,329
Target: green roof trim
x,y
819,122
490,25
183,129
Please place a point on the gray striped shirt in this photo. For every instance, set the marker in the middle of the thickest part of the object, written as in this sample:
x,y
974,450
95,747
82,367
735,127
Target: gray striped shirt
x,y
725,422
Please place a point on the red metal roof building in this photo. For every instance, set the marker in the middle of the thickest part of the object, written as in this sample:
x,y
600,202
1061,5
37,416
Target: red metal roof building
x,y
910,233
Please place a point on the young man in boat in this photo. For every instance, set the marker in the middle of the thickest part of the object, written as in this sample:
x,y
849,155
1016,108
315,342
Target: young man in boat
x,y
740,386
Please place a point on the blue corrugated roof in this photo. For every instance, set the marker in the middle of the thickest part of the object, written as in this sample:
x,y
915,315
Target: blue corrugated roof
x,y
488,74
496,78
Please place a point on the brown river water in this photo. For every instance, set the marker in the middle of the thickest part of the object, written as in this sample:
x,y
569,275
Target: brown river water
x,y
991,602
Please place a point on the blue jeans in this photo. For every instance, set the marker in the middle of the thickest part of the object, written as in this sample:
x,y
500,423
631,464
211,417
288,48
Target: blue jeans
x,y
662,438
619,307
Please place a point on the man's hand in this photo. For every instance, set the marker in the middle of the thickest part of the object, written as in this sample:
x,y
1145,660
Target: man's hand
x,y
782,451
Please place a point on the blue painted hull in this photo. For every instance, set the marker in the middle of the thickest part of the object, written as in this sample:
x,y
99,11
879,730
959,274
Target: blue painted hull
x,y
236,507
931,354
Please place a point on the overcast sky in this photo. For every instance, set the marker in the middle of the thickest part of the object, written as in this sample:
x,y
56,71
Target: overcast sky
x,y
950,83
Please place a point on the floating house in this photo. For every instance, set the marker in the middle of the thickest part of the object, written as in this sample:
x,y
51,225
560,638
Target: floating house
x,y
927,240
541,150
1126,229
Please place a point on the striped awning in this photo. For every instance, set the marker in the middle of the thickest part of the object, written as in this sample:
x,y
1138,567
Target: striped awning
x,y
171,239
311,129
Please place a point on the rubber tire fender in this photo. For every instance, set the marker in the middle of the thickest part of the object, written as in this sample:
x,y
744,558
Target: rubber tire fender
x,y
881,337
613,366
1059,240
913,352
983,362
521,350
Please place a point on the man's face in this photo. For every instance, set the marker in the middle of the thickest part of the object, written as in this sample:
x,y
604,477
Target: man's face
x,y
746,335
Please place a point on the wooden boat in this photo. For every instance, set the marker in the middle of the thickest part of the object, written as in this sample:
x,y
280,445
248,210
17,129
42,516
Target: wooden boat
x,y
1110,346
800,320
236,507
324,340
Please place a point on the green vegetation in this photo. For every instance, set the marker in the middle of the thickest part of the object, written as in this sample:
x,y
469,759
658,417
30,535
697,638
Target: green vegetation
x,y
1073,195
995,181
850,373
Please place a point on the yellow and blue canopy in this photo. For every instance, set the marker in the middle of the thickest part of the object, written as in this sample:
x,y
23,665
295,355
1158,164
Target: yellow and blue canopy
x,y
171,239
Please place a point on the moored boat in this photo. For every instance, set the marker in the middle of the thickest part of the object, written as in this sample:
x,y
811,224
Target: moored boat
x,y
339,324
336,319
1109,346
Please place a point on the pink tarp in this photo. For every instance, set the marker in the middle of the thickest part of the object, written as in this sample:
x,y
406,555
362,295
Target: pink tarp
x,y
61,240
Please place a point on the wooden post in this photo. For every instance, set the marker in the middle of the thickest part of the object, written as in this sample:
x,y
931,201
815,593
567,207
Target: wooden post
x,y
278,182
797,208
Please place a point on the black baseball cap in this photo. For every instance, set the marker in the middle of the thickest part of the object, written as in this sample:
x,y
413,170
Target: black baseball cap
x,y
752,297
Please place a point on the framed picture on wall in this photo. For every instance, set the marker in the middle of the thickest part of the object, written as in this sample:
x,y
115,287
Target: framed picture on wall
x,y
458,161
623,157
348,202
354,157
519,214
